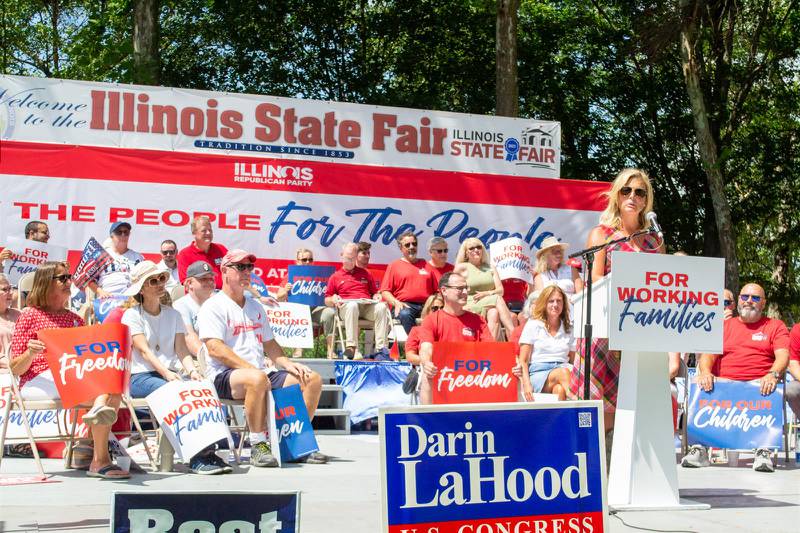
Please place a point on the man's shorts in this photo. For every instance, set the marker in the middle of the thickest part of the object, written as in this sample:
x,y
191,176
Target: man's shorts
x,y
222,382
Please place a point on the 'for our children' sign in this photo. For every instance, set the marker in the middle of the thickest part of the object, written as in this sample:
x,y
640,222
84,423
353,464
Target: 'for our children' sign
x,y
735,415
510,260
27,256
88,361
291,324
474,372
491,468
190,414
666,303
292,433
308,284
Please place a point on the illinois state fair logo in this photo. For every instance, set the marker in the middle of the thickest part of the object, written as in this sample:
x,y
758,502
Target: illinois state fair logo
x,y
536,146
273,174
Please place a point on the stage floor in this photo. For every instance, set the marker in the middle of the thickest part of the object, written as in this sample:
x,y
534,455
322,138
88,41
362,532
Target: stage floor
x,y
343,496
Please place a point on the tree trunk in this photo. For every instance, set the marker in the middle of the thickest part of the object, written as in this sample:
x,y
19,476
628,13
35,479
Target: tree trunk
x,y
507,90
146,57
709,153
780,267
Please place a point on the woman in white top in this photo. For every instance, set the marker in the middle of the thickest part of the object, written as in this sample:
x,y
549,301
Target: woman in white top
x,y
552,270
157,333
546,346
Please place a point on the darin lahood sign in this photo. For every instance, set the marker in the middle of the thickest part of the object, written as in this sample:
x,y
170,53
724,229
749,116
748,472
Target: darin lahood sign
x,y
464,469
665,302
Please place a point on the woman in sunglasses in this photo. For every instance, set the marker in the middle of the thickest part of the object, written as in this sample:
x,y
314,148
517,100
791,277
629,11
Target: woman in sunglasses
x,y
46,309
485,288
629,200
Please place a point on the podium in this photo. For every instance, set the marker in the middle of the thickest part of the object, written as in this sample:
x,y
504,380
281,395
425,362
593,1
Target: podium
x,y
652,304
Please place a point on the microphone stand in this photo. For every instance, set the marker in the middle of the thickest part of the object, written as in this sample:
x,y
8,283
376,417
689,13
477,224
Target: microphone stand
x,y
587,256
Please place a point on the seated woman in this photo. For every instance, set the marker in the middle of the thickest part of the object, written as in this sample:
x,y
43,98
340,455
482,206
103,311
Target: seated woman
x,y
552,270
433,303
159,346
547,346
485,295
8,315
47,310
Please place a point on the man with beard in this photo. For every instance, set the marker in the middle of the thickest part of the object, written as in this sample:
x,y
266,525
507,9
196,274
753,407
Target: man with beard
x,y
753,347
407,283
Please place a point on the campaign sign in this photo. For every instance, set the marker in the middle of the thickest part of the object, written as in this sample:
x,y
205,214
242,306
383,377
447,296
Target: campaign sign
x,y
510,260
103,306
292,424
308,284
474,372
735,415
291,324
88,361
207,511
492,468
259,284
27,256
190,415
664,302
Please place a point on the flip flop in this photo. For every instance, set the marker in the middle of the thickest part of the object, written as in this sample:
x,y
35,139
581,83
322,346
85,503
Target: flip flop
x,y
102,415
111,471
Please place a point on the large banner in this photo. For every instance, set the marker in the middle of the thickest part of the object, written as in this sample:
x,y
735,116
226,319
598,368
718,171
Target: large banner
x,y
735,415
474,372
28,255
62,161
88,361
464,468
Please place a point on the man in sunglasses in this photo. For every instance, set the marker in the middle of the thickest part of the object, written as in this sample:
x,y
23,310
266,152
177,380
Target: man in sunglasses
x,y
437,265
169,261
753,347
202,248
245,361
115,277
407,283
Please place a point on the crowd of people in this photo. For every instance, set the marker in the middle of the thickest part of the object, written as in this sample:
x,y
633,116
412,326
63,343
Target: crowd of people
x,y
217,329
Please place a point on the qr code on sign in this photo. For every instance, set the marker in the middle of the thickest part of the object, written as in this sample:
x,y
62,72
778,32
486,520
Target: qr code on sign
x,y
584,420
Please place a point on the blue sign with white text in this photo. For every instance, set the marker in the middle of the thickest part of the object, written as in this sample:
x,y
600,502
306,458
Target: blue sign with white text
x,y
308,284
265,512
451,469
103,306
735,415
293,423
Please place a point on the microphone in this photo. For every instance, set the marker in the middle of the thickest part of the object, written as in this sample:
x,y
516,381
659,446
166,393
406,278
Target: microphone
x,y
654,226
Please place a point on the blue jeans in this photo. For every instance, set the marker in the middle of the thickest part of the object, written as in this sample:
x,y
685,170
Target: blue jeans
x,y
408,316
143,383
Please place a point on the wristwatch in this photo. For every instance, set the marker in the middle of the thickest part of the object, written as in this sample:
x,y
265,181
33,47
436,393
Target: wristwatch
x,y
775,374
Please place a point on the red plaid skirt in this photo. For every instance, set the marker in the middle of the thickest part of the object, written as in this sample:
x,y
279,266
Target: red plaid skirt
x,y
604,379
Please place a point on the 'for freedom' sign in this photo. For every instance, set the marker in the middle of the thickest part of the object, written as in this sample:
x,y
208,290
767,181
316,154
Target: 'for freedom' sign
x,y
492,468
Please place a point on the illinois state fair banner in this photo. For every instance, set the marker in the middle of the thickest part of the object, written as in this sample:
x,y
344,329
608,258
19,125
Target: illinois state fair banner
x,y
735,415
666,303
464,468
88,361
27,256
474,372
291,324
292,431
281,175
190,414
308,284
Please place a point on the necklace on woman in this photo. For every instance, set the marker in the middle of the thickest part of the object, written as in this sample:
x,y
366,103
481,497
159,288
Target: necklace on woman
x,y
156,330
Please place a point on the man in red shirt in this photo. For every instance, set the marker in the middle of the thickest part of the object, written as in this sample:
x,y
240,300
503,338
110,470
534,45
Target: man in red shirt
x,y
353,293
453,323
202,249
753,347
406,283
437,264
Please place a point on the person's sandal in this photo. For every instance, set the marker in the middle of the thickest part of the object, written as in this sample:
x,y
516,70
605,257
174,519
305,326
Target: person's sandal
x,y
100,415
111,471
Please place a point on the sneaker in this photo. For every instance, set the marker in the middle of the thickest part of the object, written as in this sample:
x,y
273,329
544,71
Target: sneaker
x,y
696,457
205,466
261,455
219,461
763,461
314,458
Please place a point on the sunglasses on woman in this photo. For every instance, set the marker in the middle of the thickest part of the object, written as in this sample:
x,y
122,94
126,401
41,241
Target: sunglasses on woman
x,y
436,307
626,191
157,280
63,278
473,248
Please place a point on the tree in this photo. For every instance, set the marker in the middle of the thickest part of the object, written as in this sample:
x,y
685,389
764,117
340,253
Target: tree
x,y
146,57
507,89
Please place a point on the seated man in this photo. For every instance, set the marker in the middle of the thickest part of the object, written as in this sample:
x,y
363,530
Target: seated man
x,y
347,289
753,347
407,283
452,323
437,265
238,337
199,286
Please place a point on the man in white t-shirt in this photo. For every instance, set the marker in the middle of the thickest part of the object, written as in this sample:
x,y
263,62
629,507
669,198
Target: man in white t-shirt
x,y
116,276
199,285
238,336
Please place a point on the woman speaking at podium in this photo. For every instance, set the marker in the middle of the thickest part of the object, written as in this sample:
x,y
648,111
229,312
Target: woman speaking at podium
x,y
629,200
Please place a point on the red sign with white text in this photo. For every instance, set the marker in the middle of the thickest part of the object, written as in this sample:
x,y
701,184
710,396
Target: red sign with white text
x,y
88,361
474,372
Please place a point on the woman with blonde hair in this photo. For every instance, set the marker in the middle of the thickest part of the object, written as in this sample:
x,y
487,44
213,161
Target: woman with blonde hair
x,y
629,201
485,296
547,346
552,269
46,309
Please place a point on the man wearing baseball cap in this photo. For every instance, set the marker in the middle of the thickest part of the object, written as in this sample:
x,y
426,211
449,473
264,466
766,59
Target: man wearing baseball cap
x,y
199,286
115,277
238,336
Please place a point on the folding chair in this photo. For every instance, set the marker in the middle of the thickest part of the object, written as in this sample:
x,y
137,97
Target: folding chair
x,y
367,326
24,285
235,426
